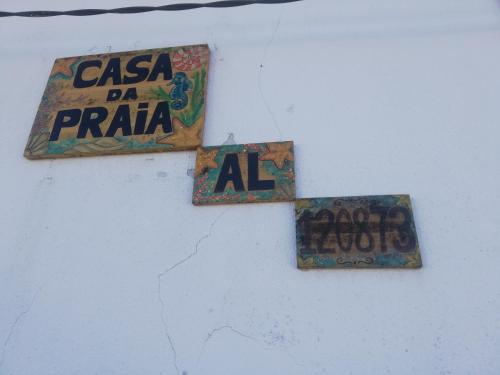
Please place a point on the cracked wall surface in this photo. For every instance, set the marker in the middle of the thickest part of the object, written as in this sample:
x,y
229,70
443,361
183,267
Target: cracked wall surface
x,y
107,268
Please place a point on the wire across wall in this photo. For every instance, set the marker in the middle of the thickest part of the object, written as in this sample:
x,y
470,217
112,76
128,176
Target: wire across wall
x,y
142,9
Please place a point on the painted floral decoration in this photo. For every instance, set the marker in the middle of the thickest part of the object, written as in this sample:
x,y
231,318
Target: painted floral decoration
x,y
187,59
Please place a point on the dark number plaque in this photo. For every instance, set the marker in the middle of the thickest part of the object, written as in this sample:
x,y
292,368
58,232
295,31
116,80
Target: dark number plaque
x,y
356,232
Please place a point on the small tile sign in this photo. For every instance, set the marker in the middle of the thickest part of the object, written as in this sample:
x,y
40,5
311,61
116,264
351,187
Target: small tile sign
x,y
121,103
356,232
256,172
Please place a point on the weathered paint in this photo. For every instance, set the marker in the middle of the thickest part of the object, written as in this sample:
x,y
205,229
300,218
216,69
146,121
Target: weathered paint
x,y
76,93
266,169
356,232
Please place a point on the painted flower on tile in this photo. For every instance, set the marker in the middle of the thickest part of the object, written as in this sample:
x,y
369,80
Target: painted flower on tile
x,y
190,58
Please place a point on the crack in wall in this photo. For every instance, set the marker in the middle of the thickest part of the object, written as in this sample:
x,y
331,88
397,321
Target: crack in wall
x,y
231,328
239,333
160,275
259,77
218,329
214,331
15,324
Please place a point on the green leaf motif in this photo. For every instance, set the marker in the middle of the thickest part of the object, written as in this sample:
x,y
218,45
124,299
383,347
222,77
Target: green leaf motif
x,y
189,115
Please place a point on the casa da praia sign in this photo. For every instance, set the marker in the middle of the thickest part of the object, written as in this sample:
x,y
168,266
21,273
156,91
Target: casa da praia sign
x,y
119,103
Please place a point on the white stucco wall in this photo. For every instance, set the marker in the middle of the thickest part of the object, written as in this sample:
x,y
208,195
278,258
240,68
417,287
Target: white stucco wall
x,y
107,268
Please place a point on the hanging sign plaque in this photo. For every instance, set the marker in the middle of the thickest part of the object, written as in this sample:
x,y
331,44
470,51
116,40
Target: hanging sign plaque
x,y
122,103
257,172
356,232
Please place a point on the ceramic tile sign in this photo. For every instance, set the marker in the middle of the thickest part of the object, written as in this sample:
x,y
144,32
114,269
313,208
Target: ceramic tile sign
x,y
356,232
121,103
257,172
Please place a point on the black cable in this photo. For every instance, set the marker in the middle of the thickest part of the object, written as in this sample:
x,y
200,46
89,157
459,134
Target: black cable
x,y
141,9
